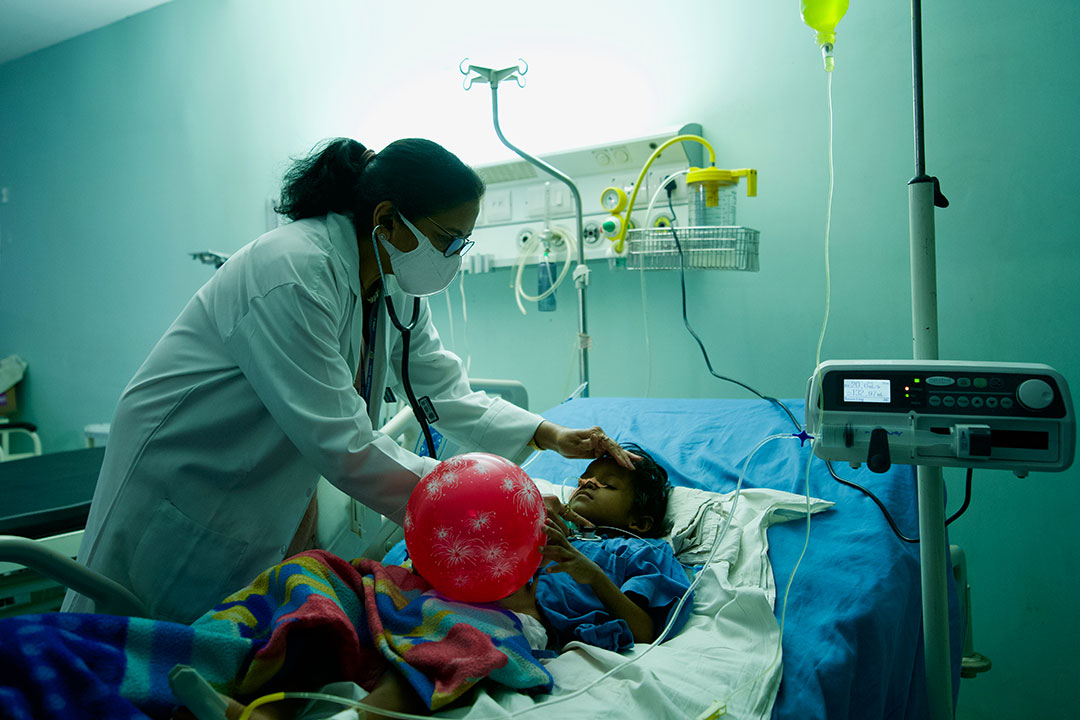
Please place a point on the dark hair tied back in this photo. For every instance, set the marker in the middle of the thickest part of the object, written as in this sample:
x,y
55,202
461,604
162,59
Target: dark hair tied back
x,y
340,175
327,180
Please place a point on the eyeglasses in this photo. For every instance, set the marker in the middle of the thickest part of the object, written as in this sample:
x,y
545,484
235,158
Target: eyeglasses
x,y
457,245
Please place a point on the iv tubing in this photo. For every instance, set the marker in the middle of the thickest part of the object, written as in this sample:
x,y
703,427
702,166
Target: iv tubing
x,y
620,239
828,229
828,275
783,607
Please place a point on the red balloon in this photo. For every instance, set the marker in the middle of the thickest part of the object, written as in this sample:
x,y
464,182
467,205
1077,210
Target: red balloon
x,y
474,526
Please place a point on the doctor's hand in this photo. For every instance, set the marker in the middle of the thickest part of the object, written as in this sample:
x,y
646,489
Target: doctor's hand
x,y
585,443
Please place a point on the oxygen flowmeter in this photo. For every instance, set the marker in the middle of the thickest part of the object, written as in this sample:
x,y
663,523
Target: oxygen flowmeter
x,y
1005,416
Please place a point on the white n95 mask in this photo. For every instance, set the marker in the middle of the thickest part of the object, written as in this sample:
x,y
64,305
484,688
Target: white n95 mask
x,y
423,270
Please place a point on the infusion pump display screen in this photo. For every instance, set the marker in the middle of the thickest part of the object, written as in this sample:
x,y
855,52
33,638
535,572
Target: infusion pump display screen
x,y
858,390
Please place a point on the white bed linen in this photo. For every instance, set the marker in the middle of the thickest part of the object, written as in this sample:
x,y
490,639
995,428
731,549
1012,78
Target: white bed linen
x,y
727,651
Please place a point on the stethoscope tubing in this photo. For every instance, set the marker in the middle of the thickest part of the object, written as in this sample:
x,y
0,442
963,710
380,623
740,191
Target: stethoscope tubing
x,y
406,337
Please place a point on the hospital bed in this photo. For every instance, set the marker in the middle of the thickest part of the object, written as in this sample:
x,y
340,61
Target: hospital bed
x,y
46,499
851,644
852,640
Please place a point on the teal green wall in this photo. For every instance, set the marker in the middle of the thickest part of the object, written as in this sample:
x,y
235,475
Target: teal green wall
x,y
126,148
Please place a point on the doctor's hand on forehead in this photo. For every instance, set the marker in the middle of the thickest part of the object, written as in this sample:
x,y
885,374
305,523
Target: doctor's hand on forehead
x,y
584,443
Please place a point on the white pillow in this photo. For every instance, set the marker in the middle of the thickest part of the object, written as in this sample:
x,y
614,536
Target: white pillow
x,y
693,518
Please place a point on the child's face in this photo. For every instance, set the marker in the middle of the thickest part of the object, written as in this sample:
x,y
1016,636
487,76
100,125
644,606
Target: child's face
x,y
604,494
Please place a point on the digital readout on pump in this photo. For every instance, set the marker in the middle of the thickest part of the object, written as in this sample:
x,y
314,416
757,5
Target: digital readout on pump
x,y
866,391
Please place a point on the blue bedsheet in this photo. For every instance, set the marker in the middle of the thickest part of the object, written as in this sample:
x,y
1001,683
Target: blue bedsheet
x,y
853,634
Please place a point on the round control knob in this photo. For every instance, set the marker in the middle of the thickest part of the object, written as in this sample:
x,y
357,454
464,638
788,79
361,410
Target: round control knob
x,y
1035,394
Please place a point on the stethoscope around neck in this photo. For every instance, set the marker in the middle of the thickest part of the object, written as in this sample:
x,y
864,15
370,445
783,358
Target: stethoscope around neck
x,y
423,410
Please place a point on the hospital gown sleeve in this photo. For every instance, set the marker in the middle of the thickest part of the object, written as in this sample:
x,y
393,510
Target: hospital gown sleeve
x,y
646,570
473,419
286,346
657,578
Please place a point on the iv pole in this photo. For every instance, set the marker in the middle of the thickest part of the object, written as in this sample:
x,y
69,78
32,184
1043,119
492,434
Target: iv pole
x,y
923,195
581,271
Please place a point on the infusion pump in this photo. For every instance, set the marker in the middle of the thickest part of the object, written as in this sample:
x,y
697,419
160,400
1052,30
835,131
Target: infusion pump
x,y
1006,416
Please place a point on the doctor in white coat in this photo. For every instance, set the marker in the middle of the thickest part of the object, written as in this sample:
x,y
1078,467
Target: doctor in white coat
x,y
275,372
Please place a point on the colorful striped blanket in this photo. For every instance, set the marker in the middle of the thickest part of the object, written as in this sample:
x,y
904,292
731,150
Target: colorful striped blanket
x,y
311,620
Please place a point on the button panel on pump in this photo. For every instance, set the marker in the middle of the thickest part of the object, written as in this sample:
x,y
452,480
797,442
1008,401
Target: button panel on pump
x,y
945,392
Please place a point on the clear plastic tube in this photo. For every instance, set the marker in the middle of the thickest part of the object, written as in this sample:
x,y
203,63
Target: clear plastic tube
x,y
716,709
465,324
325,697
641,274
530,247
450,317
828,231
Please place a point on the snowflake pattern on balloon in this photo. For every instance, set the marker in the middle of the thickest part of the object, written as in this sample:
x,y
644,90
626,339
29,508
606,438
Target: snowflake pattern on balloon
x,y
456,551
442,533
434,488
408,521
454,464
482,520
448,479
509,485
525,497
495,557
494,551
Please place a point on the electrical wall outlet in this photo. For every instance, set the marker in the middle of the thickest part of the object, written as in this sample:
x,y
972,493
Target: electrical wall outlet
x,y
497,206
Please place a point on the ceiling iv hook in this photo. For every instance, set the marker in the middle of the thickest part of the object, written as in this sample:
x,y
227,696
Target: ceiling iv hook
x,y
492,76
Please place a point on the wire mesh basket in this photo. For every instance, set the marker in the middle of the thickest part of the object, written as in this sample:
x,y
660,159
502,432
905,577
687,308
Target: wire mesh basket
x,y
704,248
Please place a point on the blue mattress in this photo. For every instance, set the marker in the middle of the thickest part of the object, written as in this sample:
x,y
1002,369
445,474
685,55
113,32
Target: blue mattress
x,y
852,644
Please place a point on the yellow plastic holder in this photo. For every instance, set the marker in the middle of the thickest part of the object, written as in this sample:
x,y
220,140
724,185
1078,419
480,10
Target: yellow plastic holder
x,y
620,239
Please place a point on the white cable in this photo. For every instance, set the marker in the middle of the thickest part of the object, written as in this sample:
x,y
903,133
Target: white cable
x,y
465,324
575,348
450,315
645,325
569,242
641,272
663,184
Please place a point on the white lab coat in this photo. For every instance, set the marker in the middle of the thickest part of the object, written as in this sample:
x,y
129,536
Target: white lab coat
x,y
220,438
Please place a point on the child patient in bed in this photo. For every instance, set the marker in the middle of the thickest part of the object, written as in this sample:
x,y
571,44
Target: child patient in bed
x,y
614,583
607,579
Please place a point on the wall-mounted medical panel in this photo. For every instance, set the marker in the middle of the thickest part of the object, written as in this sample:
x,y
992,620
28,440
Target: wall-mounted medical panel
x,y
522,200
